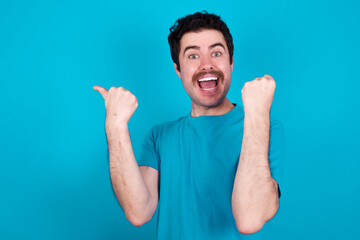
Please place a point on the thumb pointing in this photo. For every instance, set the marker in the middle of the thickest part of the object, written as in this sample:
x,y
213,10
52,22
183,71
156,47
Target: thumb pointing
x,y
101,90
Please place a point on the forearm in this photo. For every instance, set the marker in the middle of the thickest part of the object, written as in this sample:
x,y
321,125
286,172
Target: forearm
x,y
254,198
128,183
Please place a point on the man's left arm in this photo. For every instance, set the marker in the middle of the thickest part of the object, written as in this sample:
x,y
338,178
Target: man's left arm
x,y
255,197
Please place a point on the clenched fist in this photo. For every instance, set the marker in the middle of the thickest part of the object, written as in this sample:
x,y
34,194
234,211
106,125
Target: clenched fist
x,y
257,95
120,105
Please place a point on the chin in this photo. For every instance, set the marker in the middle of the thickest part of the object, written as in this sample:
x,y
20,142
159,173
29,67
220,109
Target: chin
x,y
211,103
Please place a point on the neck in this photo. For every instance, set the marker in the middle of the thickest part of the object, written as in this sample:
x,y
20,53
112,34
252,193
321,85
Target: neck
x,y
225,107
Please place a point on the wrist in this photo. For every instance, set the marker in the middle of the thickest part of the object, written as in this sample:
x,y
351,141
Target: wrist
x,y
257,121
256,114
118,128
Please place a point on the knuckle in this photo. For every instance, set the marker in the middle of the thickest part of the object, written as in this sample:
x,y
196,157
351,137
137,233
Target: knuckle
x,y
128,94
113,89
133,98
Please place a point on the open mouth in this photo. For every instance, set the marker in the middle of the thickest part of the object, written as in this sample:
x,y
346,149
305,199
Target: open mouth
x,y
208,83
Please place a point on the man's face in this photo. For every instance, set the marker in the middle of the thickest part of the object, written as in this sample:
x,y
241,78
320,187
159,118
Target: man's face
x,y
205,68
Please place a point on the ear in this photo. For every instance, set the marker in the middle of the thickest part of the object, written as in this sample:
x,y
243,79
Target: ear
x,y
177,70
232,64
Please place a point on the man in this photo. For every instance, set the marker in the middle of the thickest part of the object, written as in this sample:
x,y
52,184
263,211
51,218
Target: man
x,y
212,172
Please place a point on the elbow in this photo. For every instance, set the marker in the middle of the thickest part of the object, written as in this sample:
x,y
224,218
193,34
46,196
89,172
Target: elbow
x,y
249,224
136,217
249,227
137,221
139,214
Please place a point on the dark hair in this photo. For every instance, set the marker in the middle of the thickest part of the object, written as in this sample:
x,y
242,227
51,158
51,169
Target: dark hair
x,y
195,23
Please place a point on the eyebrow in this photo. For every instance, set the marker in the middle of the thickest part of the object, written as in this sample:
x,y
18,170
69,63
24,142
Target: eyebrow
x,y
191,47
217,44
197,47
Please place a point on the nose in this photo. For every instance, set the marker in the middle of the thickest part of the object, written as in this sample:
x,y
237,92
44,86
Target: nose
x,y
206,64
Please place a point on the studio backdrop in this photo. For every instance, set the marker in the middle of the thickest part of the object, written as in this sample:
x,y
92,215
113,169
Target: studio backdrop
x,y
54,171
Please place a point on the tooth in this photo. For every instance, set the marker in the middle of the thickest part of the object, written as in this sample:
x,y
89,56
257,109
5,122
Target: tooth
x,y
207,79
207,89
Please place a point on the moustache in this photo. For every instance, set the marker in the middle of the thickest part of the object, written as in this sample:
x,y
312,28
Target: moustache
x,y
198,75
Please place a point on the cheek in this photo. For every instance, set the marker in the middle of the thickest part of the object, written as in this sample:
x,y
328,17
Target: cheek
x,y
187,74
227,70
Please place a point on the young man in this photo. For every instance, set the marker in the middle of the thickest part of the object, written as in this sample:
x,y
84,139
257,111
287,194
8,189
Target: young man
x,y
212,172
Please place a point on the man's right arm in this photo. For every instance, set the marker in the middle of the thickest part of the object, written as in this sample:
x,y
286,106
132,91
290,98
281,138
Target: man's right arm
x,y
136,188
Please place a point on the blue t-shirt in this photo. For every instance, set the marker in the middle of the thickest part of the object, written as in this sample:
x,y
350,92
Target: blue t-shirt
x,y
197,158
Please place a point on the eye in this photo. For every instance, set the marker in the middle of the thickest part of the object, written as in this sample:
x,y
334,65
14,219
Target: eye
x,y
193,56
217,54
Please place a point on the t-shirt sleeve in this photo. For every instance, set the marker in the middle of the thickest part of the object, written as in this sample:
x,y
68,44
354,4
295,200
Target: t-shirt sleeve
x,y
276,151
149,155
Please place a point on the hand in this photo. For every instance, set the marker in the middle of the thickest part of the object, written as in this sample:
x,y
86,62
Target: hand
x,y
120,105
257,95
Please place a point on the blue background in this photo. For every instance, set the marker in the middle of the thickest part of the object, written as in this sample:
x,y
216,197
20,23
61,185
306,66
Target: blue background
x,y
54,174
